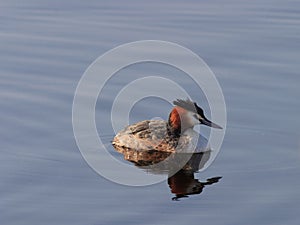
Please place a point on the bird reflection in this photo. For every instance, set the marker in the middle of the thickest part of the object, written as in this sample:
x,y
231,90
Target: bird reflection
x,y
183,184
180,168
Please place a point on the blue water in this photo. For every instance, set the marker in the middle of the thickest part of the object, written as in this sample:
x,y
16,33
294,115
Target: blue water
x,y
253,49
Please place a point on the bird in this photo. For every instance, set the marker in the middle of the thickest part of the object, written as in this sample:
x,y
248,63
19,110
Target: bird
x,y
174,135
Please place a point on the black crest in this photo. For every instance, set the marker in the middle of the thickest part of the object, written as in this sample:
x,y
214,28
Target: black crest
x,y
189,105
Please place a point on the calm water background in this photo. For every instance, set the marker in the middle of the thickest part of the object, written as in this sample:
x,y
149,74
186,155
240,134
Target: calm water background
x,y
252,47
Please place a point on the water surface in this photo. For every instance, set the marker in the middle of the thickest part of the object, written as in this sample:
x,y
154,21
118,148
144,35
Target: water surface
x,y
252,47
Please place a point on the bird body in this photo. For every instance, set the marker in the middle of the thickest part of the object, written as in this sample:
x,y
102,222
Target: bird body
x,y
175,135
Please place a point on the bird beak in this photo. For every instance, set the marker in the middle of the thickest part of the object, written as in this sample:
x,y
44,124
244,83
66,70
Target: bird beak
x,y
209,123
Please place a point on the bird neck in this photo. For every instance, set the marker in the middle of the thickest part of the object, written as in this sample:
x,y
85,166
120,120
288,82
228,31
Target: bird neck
x,y
176,124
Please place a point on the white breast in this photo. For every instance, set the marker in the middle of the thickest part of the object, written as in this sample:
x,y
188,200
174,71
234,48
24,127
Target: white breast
x,y
192,142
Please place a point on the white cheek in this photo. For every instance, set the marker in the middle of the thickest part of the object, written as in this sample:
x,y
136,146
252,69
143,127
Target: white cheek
x,y
193,120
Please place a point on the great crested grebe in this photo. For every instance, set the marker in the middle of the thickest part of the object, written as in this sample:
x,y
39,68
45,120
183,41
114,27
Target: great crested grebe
x,y
173,135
